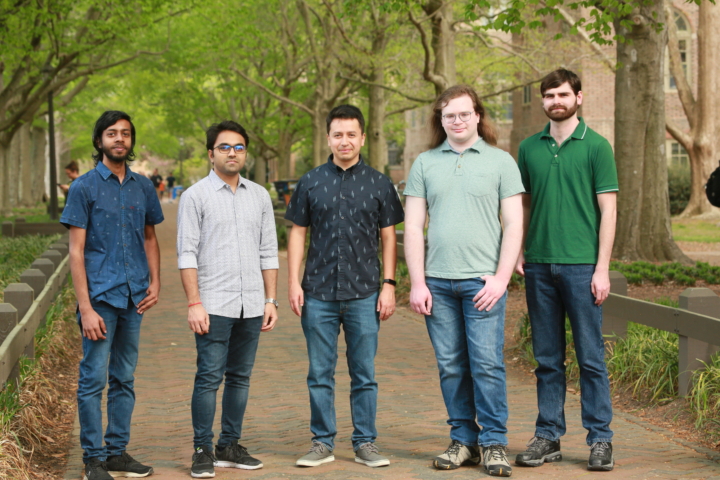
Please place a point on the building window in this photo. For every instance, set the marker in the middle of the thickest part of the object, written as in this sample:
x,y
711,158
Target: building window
x,y
684,37
677,155
527,94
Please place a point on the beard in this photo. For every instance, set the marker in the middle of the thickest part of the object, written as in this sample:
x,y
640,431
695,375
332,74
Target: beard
x,y
114,158
561,114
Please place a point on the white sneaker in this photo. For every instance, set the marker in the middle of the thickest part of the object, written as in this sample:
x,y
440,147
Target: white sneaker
x,y
496,462
456,456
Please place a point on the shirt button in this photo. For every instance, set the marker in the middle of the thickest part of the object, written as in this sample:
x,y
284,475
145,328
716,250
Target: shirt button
x,y
124,224
123,208
458,166
555,157
343,218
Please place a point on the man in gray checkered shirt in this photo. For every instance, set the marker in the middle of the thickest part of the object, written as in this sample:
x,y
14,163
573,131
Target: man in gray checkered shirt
x,y
227,255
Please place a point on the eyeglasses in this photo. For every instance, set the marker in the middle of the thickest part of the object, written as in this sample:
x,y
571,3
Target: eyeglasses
x,y
450,117
225,148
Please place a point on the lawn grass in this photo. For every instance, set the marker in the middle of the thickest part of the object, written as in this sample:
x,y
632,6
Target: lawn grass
x,y
696,230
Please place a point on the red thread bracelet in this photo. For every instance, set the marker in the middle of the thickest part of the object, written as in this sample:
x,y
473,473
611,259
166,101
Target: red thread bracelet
x,y
193,304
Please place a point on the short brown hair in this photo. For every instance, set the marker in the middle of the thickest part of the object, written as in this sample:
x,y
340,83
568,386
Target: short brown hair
x,y
437,132
72,166
557,78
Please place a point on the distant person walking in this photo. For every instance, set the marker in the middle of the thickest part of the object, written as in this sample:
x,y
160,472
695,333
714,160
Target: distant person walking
x,y
111,212
157,181
467,185
348,207
571,182
73,172
228,261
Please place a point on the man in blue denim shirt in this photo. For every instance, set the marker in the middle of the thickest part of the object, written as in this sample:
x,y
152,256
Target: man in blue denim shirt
x,y
115,263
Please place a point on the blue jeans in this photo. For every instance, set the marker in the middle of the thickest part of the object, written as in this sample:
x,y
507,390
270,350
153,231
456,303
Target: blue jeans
x,y
554,290
469,349
227,349
121,348
321,322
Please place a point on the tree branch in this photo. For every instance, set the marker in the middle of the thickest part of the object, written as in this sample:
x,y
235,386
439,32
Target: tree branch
x,y
273,94
683,138
391,89
681,83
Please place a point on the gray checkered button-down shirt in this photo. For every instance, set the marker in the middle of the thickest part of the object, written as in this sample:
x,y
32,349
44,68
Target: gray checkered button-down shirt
x,y
230,238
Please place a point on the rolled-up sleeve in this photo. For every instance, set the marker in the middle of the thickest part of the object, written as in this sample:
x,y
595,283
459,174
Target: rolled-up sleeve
x,y
268,237
189,222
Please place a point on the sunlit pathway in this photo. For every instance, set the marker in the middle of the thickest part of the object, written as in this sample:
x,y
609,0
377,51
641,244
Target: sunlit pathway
x,y
411,414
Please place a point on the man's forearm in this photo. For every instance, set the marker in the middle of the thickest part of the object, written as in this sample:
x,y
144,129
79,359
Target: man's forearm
x,y
509,250
270,278
389,251
606,239
295,252
79,276
189,278
152,252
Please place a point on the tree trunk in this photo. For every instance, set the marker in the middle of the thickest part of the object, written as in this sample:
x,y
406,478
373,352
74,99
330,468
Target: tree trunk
x,y
39,143
643,228
701,142
4,184
320,149
25,166
443,43
377,143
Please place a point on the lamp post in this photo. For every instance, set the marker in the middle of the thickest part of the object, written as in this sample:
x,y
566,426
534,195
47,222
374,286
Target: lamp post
x,y
47,70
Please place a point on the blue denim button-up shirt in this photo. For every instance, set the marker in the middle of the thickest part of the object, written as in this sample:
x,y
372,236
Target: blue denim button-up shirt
x,y
114,216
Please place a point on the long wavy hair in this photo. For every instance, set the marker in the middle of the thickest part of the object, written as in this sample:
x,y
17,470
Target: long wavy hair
x,y
437,132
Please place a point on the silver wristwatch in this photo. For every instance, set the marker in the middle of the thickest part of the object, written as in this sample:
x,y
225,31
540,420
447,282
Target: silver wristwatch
x,y
273,301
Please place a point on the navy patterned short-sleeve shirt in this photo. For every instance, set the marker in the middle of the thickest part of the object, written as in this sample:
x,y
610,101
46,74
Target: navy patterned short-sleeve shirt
x,y
345,210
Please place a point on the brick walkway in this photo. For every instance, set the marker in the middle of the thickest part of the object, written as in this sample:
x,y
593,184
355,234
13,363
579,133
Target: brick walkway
x,y
411,414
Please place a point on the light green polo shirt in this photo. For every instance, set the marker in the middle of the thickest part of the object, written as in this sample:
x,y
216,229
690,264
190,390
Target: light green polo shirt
x,y
563,181
463,193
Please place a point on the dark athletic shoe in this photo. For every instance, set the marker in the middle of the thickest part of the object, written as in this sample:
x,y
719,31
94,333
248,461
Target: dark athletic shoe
x,y
96,470
540,450
601,457
456,456
124,465
202,463
235,456
496,462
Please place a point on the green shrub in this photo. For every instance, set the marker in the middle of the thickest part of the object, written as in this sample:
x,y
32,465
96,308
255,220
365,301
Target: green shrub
x,y
704,394
683,279
678,188
634,278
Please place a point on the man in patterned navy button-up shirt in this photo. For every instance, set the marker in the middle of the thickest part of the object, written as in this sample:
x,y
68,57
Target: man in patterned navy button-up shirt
x,y
111,212
346,204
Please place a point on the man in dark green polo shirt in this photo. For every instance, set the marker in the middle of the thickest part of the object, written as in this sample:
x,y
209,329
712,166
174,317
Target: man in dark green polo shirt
x,y
570,180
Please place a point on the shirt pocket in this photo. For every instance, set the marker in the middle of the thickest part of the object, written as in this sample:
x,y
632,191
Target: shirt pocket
x,y
480,185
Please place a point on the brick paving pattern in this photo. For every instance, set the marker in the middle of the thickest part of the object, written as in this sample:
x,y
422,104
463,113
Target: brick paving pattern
x,y
411,414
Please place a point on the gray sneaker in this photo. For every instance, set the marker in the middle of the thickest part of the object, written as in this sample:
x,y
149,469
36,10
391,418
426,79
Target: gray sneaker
x,y
496,462
368,454
318,454
456,456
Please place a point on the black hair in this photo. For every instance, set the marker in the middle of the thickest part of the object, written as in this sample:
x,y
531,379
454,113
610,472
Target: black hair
x,y
107,120
226,125
346,112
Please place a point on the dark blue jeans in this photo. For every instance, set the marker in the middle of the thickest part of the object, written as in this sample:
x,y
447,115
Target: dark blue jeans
x,y
111,361
227,349
554,290
469,349
321,322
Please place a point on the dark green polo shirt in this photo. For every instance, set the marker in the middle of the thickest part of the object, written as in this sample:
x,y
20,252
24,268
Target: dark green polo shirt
x,y
564,181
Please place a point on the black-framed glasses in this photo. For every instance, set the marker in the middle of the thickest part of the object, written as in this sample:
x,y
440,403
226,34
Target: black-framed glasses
x,y
463,116
225,148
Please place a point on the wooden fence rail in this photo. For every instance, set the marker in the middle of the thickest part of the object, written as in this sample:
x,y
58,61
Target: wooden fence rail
x,y
26,305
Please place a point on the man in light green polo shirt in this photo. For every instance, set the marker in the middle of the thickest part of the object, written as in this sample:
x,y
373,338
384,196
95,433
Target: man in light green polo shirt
x,y
466,183
570,209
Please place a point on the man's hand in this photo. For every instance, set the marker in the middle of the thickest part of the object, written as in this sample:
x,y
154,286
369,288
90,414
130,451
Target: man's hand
x,y
386,301
271,316
489,295
520,267
198,319
600,285
421,299
93,326
296,296
153,292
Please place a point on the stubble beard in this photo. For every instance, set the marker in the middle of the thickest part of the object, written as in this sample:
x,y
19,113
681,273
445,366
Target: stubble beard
x,y
114,158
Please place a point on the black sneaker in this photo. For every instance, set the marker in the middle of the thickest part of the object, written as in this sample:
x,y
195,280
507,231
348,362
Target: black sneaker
x,y
540,450
124,465
96,470
235,456
202,463
601,457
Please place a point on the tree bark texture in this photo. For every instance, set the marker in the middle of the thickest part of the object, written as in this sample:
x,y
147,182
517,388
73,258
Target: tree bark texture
x,y
443,44
643,229
376,140
701,141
